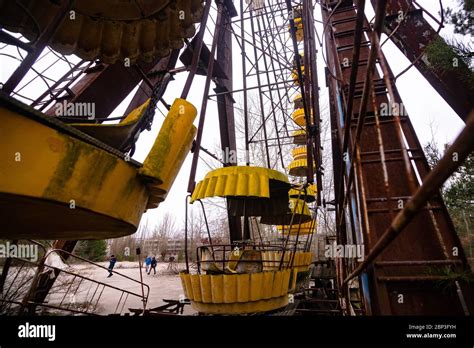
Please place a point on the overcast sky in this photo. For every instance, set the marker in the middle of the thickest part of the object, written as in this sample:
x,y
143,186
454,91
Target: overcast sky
x,y
422,103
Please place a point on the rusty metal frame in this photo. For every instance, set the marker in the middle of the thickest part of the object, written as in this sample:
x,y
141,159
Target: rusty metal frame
x,y
382,150
453,86
37,47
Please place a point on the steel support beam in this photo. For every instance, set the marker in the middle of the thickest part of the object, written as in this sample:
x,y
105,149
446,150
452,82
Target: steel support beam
x,y
225,105
37,47
392,162
453,85
108,85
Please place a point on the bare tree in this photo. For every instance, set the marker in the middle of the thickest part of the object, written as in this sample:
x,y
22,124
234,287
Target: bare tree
x,y
326,215
196,228
124,248
163,232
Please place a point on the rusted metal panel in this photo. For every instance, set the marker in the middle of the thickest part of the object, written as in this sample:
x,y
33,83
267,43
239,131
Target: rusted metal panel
x,y
452,85
187,56
108,86
426,238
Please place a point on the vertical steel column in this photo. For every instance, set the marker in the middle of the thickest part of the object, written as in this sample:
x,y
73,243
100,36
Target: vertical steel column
x,y
205,97
309,24
225,104
244,84
425,240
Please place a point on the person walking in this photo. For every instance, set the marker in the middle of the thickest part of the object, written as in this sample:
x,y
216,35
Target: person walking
x,y
112,262
147,263
153,265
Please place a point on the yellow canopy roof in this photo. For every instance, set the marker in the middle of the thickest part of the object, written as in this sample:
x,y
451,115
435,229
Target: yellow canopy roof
x,y
240,181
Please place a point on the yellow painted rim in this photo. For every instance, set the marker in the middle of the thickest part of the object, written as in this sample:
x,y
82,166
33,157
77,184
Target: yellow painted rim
x,y
236,293
241,308
299,117
298,96
298,167
271,259
299,152
304,229
299,137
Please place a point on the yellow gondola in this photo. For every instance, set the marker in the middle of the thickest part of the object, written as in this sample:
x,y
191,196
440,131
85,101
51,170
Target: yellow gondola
x,y
299,117
109,30
299,152
298,229
237,293
251,191
294,75
59,183
299,29
308,195
298,101
241,281
299,167
299,137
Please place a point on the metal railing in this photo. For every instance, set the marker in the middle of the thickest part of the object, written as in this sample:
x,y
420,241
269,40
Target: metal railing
x,y
221,255
73,291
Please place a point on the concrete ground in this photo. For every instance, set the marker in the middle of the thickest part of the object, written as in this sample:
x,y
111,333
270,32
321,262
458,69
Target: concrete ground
x,y
163,285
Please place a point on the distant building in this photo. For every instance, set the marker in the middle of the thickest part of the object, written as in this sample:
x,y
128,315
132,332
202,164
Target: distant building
x,y
155,247
150,246
175,247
